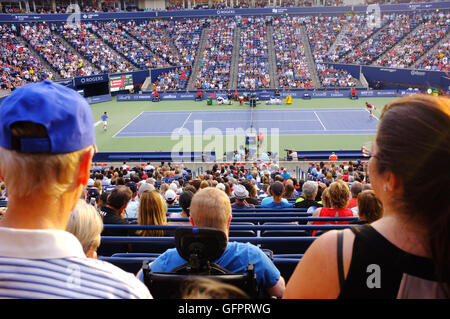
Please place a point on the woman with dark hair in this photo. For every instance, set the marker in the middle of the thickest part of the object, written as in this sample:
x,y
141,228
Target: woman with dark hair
x,y
410,243
370,208
185,204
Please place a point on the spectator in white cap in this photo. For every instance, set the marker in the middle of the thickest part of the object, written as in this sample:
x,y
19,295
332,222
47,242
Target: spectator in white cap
x,y
170,197
240,193
173,187
47,133
145,187
221,186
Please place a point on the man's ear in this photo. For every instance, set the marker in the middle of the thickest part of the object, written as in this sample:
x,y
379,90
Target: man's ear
x,y
229,222
85,167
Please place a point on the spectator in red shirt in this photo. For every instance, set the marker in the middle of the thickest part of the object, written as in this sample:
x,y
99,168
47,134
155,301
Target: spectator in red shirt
x,y
355,189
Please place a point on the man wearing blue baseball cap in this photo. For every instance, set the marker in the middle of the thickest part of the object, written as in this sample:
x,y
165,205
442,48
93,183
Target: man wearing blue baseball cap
x,y
47,140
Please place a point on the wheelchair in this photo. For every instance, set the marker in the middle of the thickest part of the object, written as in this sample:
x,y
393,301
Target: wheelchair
x,y
200,246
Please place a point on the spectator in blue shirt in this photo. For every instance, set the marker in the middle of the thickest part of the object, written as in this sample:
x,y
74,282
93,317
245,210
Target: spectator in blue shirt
x,y
276,201
285,174
210,207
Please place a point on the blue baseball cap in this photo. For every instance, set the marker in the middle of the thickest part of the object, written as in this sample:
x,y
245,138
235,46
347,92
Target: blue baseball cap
x,y
63,112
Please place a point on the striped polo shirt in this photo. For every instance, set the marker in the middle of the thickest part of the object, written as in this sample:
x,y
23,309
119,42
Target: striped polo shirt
x,y
51,264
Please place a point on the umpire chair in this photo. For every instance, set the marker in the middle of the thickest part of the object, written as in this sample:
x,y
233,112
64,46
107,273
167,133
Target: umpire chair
x,y
200,246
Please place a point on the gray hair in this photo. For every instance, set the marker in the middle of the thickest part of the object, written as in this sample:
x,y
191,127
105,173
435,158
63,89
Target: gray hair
x,y
310,189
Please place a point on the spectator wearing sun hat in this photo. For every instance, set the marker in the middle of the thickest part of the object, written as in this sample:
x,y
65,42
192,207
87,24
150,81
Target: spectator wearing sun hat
x,y
240,193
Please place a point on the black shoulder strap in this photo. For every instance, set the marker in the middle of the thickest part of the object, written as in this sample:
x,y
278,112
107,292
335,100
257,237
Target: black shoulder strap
x,y
340,259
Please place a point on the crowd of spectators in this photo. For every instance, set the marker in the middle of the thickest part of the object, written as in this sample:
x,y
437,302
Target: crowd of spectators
x,y
54,51
396,26
215,66
172,80
322,33
404,231
151,44
332,77
18,66
253,67
350,39
151,34
134,51
93,49
427,34
438,59
185,35
292,66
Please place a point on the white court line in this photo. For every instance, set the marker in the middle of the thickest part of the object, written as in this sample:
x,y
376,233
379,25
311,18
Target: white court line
x,y
262,110
256,121
320,121
185,121
128,124
97,123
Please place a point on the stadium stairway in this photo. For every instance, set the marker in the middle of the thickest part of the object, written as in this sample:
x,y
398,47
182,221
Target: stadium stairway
x,y
169,40
309,58
372,35
198,59
445,38
56,75
75,52
338,40
235,59
272,60
144,43
399,43
147,86
120,54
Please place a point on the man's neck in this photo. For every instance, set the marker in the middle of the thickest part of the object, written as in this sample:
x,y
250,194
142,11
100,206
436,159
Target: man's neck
x,y
277,199
39,212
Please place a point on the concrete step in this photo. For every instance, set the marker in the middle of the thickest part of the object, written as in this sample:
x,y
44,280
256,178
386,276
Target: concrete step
x,y
310,58
198,59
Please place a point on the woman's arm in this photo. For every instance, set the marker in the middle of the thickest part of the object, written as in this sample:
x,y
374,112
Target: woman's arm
x,y
316,275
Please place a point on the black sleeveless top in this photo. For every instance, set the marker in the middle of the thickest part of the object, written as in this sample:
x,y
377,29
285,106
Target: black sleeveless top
x,y
377,267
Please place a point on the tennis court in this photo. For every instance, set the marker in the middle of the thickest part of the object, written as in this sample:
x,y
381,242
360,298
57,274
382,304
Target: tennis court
x,y
287,121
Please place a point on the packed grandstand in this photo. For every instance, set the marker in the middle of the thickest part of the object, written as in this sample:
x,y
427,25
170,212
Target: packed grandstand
x,y
220,53
283,231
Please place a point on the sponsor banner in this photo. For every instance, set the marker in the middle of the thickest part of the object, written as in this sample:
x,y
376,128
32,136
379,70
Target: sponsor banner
x,y
99,99
377,93
262,95
85,80
11,18
82,17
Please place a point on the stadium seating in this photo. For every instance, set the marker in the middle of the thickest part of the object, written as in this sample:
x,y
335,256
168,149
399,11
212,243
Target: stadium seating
x,y
253,67
150,34
292,67
93,49
400,40
425,36
395,28
215,64
19,65
51,48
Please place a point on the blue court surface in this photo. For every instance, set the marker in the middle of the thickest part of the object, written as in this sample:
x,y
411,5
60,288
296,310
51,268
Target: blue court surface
x,y
287,121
